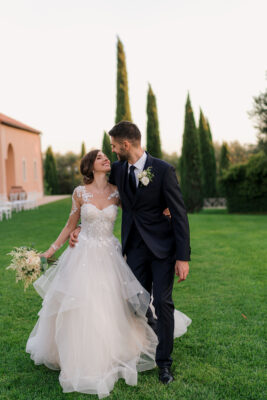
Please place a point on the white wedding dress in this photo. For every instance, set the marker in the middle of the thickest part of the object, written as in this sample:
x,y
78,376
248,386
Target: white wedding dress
x,y
92,325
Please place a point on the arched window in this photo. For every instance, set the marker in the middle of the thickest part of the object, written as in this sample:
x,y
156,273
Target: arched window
x,y
35,170
24,171
10,168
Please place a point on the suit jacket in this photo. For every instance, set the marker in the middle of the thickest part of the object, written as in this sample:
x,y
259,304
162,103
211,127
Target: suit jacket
x,y
164,236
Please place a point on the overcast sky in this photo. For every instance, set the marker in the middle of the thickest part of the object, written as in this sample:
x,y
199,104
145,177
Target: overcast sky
x,y
58,65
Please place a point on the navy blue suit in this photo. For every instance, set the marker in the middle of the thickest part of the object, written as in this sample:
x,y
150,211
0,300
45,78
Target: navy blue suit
x,y
152,241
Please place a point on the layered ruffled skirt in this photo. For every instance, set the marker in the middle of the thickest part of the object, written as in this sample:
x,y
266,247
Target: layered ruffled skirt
x,y
92,324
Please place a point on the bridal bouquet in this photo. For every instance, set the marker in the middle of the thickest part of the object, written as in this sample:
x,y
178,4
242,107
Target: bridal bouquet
x,y
28,264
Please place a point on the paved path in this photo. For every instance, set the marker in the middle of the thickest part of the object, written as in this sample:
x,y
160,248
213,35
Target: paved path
x,y
49,199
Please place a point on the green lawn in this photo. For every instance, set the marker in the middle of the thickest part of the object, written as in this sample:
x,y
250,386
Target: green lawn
x,y
221,357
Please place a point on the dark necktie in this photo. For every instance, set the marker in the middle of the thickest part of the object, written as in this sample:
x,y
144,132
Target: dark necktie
x,y
132,180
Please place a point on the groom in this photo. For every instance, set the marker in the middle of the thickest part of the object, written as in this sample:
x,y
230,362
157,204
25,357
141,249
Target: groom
x,y
154,244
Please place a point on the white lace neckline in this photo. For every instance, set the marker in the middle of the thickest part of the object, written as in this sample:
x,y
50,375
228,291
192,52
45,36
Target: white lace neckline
x,y
86,195
99,209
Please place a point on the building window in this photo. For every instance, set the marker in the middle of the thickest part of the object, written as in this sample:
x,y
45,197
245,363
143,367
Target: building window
x,y
35,169
24,176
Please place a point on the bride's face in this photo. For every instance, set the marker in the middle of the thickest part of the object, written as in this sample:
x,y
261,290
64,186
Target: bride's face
x,y
102,163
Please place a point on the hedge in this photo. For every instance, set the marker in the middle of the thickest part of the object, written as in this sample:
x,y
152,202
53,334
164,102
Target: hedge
x,y
245,185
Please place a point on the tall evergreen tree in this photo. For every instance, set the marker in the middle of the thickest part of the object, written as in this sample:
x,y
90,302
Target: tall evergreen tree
x,y
50,171
83,150
191,179
153,144
259,114
209,131
123,111
207,158
106,147
213,158
224,158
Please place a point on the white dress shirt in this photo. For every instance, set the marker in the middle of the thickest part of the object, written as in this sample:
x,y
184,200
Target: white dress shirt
x,y
139,166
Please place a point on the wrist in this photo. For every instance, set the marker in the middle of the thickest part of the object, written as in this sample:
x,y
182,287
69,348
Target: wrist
x,y
54,247
49,252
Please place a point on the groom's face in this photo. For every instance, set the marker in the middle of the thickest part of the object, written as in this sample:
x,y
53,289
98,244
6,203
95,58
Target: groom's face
x,y
121,148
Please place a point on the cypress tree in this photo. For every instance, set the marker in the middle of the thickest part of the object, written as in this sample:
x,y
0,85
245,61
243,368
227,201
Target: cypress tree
x,y
50,171
224,158
152,129
123,111
209,131
83,151
213,159
106,147
191,179
206,150
224,163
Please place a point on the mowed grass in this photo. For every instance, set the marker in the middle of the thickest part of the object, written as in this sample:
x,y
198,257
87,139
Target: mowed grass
x,y
221,357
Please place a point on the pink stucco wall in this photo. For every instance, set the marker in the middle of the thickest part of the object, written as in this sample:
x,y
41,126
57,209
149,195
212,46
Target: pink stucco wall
x,y
26,148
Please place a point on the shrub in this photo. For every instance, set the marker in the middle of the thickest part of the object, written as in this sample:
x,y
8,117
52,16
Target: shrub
x,y
245,185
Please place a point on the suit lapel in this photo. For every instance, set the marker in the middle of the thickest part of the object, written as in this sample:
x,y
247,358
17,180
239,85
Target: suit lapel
x,y
132,198
125,183
140,187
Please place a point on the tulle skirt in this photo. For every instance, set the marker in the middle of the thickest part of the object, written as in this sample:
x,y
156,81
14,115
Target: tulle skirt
x,y
92,324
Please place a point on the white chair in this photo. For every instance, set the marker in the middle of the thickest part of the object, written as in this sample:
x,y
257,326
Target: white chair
x,y
5,208
16,204
7,211
22,200
31,202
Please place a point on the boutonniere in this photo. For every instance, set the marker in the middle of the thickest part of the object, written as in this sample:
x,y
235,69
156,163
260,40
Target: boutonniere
x,y
145,177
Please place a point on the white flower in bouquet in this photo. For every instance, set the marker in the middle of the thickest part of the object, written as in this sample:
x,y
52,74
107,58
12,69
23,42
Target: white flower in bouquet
x,y
27,263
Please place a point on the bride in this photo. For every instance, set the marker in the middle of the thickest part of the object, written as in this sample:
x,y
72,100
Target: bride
x,y
92,325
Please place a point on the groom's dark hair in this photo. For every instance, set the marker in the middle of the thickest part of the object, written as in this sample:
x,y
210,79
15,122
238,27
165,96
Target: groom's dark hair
x,y
125,130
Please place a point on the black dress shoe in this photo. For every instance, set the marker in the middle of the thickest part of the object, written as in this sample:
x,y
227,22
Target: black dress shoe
x,y
165,375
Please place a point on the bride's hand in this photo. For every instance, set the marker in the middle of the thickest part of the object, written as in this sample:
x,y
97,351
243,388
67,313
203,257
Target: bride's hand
x,y
167,213
74,237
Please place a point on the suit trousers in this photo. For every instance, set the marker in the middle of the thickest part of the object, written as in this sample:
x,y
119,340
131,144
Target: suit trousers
x,y
157,277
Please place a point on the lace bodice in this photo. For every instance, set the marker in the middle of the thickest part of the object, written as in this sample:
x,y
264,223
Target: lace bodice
x,y
96,224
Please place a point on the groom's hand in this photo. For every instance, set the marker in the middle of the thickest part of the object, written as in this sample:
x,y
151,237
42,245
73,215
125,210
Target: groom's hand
x,y
181,269
74,237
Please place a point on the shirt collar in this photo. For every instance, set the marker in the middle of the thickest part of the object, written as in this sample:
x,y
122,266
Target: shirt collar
x,y
140,164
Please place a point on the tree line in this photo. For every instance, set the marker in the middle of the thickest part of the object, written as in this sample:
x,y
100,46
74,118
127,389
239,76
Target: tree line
x,y
199,168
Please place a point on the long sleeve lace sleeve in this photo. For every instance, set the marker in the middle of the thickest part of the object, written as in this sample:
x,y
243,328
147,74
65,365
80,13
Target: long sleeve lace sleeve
x,y
71,224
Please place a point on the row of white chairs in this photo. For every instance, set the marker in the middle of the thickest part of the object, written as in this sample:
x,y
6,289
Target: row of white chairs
x,y
17,202
5,210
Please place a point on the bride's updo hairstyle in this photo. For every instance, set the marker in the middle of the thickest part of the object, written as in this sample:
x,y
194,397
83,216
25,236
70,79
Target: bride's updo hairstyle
x,y
87,166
